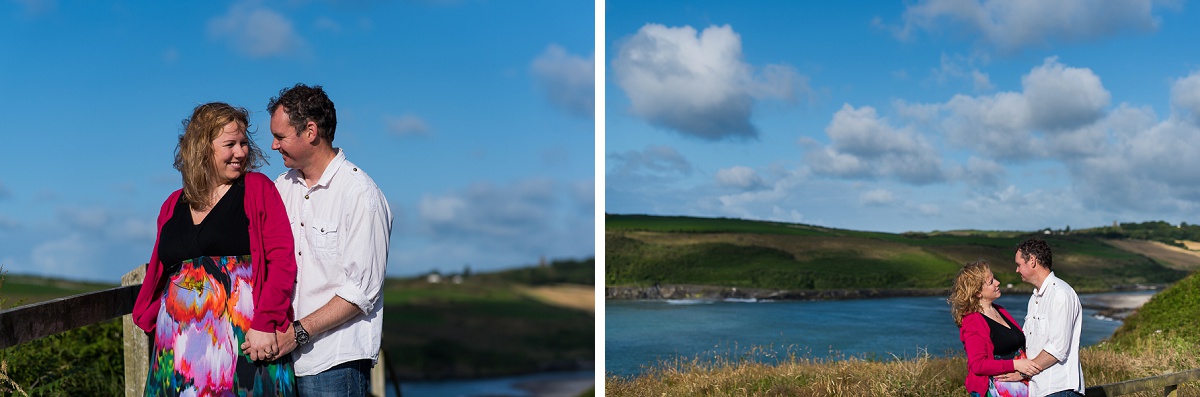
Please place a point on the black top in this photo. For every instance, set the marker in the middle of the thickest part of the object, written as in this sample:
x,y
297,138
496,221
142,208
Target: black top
x,y
1005,341
225,231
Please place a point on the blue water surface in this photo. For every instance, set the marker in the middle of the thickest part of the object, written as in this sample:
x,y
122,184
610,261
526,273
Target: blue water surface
x,y
642,333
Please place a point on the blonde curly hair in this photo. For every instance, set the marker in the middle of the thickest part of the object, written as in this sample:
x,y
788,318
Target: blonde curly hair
x,y
964,295
194,155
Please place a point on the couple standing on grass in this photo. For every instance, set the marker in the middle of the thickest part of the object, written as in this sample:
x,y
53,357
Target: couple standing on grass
x,y
260,287
1003,359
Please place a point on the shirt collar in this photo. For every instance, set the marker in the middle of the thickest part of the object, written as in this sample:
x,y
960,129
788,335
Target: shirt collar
x,y
1049,282
332,168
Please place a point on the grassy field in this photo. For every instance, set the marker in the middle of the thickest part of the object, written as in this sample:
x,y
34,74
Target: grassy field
x,y
20,290
481,329
645,250
1162,338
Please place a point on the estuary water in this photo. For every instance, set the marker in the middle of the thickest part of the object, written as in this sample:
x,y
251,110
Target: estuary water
x,y
643,333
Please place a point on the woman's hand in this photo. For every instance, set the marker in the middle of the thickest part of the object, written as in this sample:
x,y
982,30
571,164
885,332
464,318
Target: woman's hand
x,y
1009,377
1027,367
260,345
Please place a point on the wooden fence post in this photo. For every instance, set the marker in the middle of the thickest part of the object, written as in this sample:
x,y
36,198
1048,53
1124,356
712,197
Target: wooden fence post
x,y
137,345
378,382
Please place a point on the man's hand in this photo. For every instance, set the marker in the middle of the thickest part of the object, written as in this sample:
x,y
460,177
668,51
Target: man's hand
x,y
1027,367
286,340
1009,377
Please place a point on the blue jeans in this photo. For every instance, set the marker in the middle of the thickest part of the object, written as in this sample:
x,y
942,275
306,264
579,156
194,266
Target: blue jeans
x,y
350,379
1064,393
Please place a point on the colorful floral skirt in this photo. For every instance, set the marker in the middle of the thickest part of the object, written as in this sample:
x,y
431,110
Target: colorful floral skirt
x,y
205,314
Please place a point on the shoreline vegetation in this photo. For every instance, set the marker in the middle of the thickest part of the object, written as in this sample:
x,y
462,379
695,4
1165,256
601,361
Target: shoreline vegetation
x,y
668,257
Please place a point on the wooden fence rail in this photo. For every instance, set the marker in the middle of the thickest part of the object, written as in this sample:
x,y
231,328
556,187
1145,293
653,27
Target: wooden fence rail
x,y
29,322
1168,383
26,323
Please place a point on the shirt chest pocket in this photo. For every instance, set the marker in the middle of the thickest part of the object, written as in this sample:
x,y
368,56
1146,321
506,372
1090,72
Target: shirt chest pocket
x,y
1035,324
323,235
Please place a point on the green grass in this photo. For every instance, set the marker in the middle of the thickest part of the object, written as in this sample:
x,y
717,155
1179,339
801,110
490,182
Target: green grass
x,y
22,290
1173,312
643,250
479,329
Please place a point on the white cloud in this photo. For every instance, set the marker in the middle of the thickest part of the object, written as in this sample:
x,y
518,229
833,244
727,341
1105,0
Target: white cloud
x,y
983,172
1013,25
996,126
877,197
768,203
739,177
1150,169
1057,107
408,125
68,255
697,84
659,160
527,218
1061,98
567,80
929,209
257,31
865,145
962,68
1185,98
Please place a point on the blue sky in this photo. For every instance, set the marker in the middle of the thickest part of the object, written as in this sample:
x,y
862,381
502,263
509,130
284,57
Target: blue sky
x,y
474,117
904,116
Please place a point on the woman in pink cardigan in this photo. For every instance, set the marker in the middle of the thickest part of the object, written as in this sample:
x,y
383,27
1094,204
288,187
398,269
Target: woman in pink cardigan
x,y
995,345
222,271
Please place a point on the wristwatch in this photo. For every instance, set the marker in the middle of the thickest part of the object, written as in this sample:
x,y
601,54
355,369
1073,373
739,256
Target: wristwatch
x,y
301,334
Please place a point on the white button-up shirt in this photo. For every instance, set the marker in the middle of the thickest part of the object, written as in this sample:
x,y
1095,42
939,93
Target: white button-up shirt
x,y
1053,324
342,226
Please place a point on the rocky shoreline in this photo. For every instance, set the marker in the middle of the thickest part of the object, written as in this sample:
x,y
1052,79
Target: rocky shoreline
x,y
1117,306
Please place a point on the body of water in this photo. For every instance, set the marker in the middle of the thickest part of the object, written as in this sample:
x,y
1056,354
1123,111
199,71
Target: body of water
x,y
643,333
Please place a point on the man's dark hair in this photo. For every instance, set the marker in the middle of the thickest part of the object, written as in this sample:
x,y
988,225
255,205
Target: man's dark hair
x,y
303,104
1036,248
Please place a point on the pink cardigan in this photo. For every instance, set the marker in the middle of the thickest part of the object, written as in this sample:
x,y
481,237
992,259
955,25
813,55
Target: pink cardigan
x,y
977,340
271,251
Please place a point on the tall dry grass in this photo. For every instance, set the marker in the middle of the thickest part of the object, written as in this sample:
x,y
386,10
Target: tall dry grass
x,y
743,375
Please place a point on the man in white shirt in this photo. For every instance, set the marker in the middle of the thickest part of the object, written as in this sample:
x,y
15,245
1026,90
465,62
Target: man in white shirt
x,y
342,225
1052,325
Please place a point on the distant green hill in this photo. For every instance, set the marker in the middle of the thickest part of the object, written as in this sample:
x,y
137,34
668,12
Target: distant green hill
x,y
643,250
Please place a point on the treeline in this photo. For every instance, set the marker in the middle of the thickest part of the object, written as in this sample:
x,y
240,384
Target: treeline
x,y
1159,231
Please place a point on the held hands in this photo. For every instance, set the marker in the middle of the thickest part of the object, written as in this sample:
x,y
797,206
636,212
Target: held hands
x,y
260,346
1026,367
1009,377
286,340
